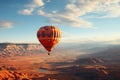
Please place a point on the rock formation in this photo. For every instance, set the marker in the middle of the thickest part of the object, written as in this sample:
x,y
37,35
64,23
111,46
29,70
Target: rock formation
x,y
7,49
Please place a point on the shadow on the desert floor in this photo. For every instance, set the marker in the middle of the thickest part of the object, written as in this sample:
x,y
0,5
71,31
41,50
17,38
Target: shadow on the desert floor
x,y
83,69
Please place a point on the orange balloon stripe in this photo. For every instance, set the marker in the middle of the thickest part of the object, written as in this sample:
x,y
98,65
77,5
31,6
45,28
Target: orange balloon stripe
x,y
48,36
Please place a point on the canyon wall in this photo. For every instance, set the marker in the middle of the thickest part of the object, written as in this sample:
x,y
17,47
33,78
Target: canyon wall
x,y
8,49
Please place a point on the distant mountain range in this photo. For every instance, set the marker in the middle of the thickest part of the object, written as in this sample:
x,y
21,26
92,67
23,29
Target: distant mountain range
x,y
11,49
110,54
92,50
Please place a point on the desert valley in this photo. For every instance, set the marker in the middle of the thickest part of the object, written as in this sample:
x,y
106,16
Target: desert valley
x,y
31,62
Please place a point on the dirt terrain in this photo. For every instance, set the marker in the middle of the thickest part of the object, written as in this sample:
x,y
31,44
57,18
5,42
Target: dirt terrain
x,y
37,65
36,68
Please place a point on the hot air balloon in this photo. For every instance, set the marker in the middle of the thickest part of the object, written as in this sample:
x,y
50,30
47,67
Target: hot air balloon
x,y
49,36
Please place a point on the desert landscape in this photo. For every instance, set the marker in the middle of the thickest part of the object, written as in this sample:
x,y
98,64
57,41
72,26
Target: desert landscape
x,y
30,62
59,39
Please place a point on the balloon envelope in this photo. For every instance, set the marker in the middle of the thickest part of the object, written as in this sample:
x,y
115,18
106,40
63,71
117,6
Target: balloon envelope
x,y
48,36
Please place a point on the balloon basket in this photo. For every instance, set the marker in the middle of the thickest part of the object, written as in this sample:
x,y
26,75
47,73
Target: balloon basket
x,y
48,53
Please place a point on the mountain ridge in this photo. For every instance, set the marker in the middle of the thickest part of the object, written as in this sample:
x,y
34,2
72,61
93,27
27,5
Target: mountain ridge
x,y
12,49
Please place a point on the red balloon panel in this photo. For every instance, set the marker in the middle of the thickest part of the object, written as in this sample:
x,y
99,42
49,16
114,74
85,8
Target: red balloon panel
x,y
49,36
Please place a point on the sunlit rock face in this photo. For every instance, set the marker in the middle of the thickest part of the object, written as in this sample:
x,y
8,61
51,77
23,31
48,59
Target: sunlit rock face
x,y
8,73
18,49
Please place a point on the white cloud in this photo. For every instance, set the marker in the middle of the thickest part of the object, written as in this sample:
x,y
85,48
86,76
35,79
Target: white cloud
x,y
26,11
113,12
71,14
31,7
6,24
66,19
41,12
110,8
36,3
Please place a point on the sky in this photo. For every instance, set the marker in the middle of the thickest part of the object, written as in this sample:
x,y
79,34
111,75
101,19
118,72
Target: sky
x,y
80,21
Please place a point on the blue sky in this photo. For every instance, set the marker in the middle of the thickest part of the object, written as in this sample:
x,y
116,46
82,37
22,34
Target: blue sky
x,y
79,20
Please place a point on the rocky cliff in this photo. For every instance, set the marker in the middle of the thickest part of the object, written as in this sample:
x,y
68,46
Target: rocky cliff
x,y
9,74
8,49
